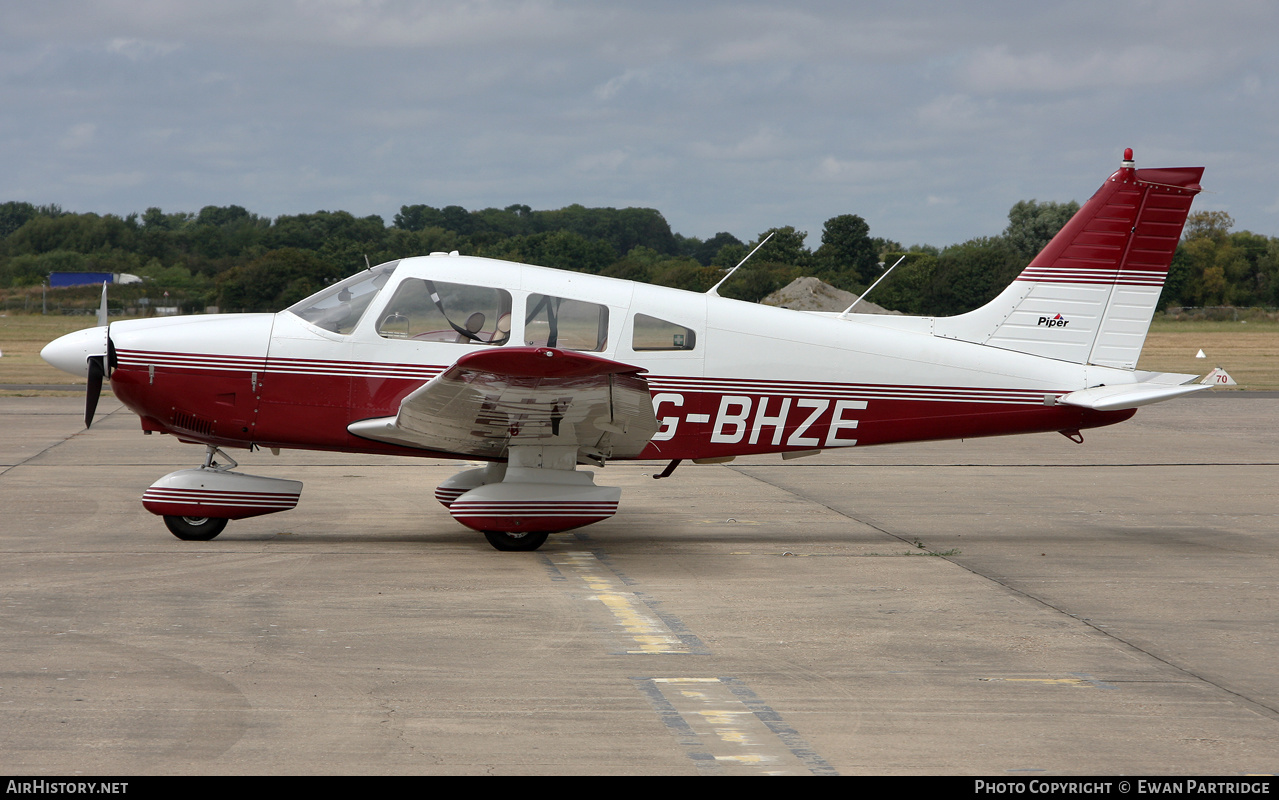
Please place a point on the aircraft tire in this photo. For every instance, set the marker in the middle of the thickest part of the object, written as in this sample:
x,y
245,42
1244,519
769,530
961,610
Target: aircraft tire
x,y
510,542
195,529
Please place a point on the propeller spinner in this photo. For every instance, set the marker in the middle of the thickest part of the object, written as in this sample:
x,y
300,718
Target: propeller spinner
x,y
88,352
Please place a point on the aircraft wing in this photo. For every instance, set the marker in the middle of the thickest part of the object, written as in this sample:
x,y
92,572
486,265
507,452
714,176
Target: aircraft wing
x,y
492,399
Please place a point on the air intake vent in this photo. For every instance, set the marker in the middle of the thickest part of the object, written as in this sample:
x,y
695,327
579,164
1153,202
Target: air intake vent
x,y
190,422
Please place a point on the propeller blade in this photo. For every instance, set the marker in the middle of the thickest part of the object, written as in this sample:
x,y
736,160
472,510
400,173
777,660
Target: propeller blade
x,y
102,309
94,390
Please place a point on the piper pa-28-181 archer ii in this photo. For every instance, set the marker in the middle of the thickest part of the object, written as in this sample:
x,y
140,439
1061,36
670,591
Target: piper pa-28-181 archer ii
x,y
536,371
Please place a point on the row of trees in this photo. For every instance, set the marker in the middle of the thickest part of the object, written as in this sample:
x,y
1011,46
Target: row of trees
x,y
232,258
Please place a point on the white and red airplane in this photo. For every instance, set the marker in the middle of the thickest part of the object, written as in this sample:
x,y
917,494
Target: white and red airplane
x,y
536,371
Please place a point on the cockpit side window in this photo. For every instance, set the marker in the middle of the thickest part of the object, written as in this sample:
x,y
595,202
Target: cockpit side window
x,y
339,307
651,333
438,311
568,324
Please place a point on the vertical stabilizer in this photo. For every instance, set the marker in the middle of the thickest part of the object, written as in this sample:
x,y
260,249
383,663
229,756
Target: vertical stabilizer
x,y
1089,296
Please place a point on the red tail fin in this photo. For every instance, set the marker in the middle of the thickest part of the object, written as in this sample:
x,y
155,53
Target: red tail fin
x,y
1089,296
1126,234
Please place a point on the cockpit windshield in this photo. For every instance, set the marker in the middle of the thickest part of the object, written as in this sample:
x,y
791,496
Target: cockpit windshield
x,y
339,307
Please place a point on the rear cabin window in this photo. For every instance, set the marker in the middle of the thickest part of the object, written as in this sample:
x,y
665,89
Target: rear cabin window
x,y
568,324
437,311
651,333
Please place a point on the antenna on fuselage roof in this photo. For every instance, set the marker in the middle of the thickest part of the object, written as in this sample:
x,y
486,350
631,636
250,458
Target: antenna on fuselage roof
x,y
739,263
367,266
873,285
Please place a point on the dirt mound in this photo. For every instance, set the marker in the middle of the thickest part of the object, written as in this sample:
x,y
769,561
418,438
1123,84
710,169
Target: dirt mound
x,y
811,294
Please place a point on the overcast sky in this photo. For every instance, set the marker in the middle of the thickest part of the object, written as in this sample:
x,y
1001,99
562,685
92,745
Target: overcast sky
x,y
929,119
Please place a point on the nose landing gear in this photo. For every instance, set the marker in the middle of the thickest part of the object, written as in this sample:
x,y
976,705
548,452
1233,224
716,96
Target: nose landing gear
x,y
196,504
195,529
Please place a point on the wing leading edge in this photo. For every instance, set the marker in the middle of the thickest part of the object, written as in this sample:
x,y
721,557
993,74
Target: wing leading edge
x,y
493,399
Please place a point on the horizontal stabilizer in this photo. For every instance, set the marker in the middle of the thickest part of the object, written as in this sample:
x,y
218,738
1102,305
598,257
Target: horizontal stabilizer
x,y
1164,386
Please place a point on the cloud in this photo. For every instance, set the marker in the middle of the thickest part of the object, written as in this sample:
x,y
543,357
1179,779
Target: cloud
x,y
341,23
110,181
857,171
958,112
140,50
606,162
764,143
997,69
724,115
610,88
78,136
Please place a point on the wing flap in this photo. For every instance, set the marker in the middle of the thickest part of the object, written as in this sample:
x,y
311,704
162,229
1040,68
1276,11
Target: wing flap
x,y
493,399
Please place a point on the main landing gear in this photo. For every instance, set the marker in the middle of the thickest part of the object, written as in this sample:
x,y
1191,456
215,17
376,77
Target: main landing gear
x,y
515,541
537,492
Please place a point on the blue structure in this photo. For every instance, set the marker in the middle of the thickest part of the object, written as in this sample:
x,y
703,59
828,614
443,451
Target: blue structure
x,y
60,279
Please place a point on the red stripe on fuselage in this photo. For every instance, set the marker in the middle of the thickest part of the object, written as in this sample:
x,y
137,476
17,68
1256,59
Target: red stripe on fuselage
x,y
307,404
